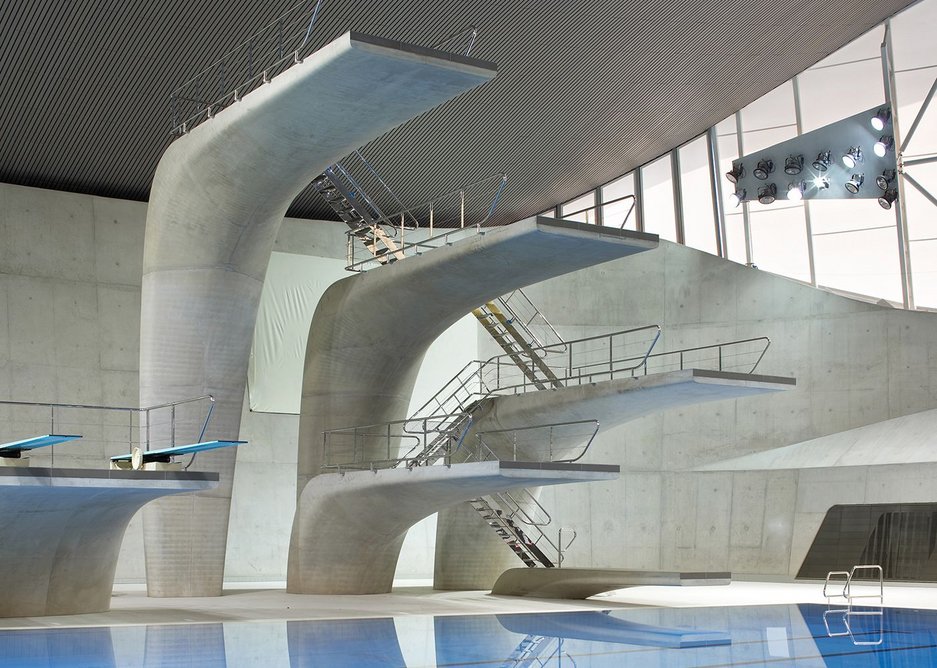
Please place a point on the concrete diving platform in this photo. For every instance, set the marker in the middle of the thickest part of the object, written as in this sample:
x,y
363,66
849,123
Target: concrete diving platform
x,y
349,535
581,583
61,530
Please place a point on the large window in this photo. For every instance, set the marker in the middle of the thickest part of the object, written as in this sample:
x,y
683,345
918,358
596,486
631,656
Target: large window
x,y
699,221
657,195
853,246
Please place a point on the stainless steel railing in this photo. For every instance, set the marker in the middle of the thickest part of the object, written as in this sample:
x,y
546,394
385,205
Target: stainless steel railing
x,y
553,442
269,52
149,427
379,446
392,444
596,207
462,41
461,212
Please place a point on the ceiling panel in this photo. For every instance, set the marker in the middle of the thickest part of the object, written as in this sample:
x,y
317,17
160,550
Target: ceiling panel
x,y
586,91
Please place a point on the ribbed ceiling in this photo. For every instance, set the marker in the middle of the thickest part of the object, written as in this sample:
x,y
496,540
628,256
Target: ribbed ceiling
x,y
586,91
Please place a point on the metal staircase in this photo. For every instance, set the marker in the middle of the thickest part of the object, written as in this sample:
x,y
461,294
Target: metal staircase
x,y
515,338
340,190
505,516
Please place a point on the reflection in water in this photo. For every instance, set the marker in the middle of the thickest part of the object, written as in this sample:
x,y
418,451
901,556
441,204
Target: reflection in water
x,y
83,648
673,637
355,643
606,627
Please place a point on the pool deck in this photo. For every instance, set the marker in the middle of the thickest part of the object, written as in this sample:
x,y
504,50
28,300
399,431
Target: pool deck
x,y
269,602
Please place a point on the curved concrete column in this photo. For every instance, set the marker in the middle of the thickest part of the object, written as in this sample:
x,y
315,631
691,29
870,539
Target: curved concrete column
x,y
468,553
354,523
370,331
61,530
217,200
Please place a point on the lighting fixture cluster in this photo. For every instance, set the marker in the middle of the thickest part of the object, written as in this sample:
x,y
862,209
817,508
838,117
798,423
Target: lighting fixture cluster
x,y
852,159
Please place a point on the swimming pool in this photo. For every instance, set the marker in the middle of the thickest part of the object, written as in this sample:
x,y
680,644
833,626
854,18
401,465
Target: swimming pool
x,y
779,635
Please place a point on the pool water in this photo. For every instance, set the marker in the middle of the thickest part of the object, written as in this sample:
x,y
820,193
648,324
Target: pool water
x,y
779,635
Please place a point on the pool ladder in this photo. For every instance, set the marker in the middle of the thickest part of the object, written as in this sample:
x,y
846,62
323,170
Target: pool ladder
x,y
850,619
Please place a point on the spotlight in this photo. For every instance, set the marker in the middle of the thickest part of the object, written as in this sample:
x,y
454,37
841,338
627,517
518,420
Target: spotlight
x,y
795,191
854,183
880,119
764,168
882,145
823,161
737,197
738,171
794,165
821,183
888,198
884,179
767,194
852,157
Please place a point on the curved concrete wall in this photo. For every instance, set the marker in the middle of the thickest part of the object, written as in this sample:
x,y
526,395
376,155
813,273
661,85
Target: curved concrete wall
x,y
217,200
61,530
468,553
370,331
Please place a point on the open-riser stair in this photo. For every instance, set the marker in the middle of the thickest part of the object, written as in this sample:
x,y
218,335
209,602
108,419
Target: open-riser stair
x,y
504,525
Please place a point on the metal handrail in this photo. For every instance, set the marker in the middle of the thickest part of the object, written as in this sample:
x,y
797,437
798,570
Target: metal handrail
x,y
447,428
507,498
397,219
131,410
455,37
508,305
282,59
596,207
551,427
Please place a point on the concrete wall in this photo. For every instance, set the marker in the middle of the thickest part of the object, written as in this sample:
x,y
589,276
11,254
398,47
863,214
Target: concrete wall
x,y
70,274
855,363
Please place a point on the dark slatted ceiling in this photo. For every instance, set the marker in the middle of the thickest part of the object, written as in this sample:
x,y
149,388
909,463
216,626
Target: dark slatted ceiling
x,y
586,91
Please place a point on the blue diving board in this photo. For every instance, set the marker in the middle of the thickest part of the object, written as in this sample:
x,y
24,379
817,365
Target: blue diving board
x,y
164,454
14,448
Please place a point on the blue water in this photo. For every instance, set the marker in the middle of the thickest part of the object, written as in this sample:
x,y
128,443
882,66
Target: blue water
x,y
781,635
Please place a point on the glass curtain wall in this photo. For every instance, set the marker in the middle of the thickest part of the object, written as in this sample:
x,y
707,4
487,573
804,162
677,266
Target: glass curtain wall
x,y
851,246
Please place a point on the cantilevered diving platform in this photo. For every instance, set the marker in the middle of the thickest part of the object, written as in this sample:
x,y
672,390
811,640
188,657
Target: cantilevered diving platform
x,y
61,530
354,523
218,197
366,343
468,554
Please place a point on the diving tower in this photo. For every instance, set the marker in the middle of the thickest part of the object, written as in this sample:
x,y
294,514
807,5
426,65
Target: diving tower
x,y
217,200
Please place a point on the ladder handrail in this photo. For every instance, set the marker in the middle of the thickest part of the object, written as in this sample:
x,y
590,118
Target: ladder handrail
x,y
506,302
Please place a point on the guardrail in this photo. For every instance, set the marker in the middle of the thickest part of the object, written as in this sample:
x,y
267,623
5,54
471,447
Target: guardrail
x,y
462,213
151,427
379,446
269,52
595,207
537,443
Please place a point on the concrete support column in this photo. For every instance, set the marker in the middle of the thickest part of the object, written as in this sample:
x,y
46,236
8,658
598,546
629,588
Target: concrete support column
x,y
218,197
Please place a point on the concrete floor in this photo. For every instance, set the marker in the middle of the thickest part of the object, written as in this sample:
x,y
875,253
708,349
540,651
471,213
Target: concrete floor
x,y
270,602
